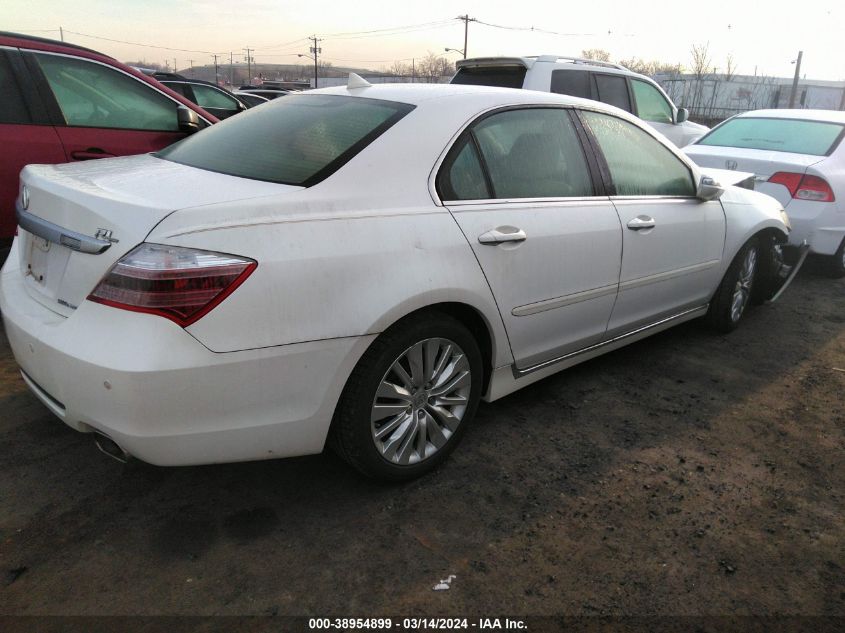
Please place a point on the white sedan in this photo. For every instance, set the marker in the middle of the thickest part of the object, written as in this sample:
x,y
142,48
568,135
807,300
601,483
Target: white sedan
x,y
796,156
363,264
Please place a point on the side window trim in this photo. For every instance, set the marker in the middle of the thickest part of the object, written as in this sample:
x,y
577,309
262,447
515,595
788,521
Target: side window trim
x,y
601,162
18,72
50,107
605,168
582,132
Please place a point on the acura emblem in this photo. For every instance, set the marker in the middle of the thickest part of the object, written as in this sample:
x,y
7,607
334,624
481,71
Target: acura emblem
x,y
24,198
731,164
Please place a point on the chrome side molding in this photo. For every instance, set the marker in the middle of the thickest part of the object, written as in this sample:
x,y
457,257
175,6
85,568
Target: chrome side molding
x,y
59,235
519,373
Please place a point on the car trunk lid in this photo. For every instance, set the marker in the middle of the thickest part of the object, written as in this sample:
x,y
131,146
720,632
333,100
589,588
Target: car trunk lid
x,y
77,220
762,163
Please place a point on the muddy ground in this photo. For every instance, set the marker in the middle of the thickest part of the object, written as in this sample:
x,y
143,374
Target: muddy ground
x,y
689,473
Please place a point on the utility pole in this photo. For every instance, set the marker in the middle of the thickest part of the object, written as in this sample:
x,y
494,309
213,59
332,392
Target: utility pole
x,y
216,73
413,69
62,33
191,66
795,79
231,70
466,20
315,50
174,64
249,65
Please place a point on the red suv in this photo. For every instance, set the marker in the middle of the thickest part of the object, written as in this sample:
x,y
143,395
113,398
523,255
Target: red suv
x,y
62,102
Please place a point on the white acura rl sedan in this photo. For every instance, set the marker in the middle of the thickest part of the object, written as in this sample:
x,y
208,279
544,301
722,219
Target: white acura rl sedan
x,y
362,265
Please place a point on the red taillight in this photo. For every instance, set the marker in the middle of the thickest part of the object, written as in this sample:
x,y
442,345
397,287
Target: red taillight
x,y
804,186
181,284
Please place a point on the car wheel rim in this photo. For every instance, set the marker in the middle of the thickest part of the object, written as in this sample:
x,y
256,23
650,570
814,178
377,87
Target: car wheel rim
x,y
742,289
420,401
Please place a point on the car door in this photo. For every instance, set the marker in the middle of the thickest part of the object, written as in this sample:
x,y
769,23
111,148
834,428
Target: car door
x,y
101,111
672,242
519,185
26,136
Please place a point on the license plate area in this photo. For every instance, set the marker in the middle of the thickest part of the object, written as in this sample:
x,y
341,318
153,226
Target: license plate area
x,y
45,266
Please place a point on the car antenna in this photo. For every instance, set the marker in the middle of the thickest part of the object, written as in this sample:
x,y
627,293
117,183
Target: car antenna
x,y
356,81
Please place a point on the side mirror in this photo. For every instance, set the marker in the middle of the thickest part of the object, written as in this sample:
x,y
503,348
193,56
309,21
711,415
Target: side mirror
x,y
709,189
189,121
683,115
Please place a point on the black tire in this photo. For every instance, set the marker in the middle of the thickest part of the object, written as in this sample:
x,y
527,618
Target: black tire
x,y
835,264
768,281
721,315
352,432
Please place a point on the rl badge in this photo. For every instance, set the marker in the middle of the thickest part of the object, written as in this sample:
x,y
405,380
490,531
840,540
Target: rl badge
x,y
105,235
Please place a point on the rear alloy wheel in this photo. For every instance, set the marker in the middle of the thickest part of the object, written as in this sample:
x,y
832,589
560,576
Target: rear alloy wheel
x,y
734,293
836,262
410,398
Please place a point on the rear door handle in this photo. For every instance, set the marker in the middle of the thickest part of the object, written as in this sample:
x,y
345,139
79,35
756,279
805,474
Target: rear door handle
x,y
641,222
90,153
502,234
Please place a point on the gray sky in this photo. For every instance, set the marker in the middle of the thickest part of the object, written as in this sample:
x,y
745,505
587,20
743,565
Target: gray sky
x,y
762,36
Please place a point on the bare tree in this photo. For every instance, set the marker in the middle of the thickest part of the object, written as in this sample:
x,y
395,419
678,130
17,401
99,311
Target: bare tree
x,y
432,67
652,67
399,69
596,54
730,67
701,65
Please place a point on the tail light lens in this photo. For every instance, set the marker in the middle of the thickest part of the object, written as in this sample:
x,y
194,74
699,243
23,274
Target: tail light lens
x,y
180,284
804,186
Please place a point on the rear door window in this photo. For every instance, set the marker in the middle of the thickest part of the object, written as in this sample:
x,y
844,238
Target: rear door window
x,y
572,82
639,164
93,95
613,89
533,153
502,76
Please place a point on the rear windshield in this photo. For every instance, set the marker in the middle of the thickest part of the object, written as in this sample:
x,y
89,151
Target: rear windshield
x,y
816,138
502,76
298,140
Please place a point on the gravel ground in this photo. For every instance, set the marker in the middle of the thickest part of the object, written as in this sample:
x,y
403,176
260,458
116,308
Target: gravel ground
x,y
686,474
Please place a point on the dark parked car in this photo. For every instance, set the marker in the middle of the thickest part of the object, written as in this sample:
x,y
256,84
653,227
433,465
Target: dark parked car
x,y
267,93
62,102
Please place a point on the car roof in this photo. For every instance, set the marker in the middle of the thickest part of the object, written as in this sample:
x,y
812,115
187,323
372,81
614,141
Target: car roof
x,y
7,38
829,116
417,94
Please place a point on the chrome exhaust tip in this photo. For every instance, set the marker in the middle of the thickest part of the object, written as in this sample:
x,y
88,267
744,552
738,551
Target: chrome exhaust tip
x,y
110,448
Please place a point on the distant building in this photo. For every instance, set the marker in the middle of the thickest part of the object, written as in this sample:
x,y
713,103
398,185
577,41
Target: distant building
x,y
714,98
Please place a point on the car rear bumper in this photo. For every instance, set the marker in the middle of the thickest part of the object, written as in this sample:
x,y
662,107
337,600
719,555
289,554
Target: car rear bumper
x,y
165,398
821,224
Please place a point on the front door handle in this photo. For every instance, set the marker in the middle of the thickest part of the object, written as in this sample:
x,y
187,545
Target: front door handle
x,y
91,153
641,222
502,234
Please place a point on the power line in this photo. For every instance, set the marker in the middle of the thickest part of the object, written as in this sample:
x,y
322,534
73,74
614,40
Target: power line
x,y
533,29
394,28
165,48
390,33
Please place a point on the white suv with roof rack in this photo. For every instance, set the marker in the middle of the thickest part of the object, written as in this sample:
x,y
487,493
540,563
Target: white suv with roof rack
x,y
587,78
